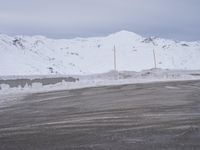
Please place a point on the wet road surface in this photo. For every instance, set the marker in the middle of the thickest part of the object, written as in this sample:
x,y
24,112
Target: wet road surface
x,y
153,116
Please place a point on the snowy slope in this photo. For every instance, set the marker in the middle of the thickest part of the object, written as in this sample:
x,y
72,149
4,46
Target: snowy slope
x,y
38,55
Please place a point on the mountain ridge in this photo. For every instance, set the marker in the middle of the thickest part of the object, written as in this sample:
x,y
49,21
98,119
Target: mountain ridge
x,y
39,55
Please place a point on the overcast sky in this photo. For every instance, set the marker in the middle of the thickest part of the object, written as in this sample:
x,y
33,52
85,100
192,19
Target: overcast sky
x,y
175,19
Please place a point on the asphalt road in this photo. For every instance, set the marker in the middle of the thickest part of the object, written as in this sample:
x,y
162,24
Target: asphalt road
x,y
155,116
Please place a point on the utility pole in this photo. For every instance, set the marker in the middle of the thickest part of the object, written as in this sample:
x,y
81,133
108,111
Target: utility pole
x,y
154,57
115,60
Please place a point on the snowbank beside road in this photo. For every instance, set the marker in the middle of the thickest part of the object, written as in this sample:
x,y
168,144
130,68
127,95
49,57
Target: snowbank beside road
x,y
110,78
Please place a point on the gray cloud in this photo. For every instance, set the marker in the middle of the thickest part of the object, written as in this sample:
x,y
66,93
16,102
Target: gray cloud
x,y
177,19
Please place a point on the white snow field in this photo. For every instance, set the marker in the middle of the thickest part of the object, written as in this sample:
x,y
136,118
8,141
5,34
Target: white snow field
x,y
91,61
38,55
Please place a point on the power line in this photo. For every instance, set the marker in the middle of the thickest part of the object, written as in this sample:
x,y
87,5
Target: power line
x,y
154,57
115,59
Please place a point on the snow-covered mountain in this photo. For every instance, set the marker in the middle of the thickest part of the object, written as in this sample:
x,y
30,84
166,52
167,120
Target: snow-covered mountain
x,y
38,55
